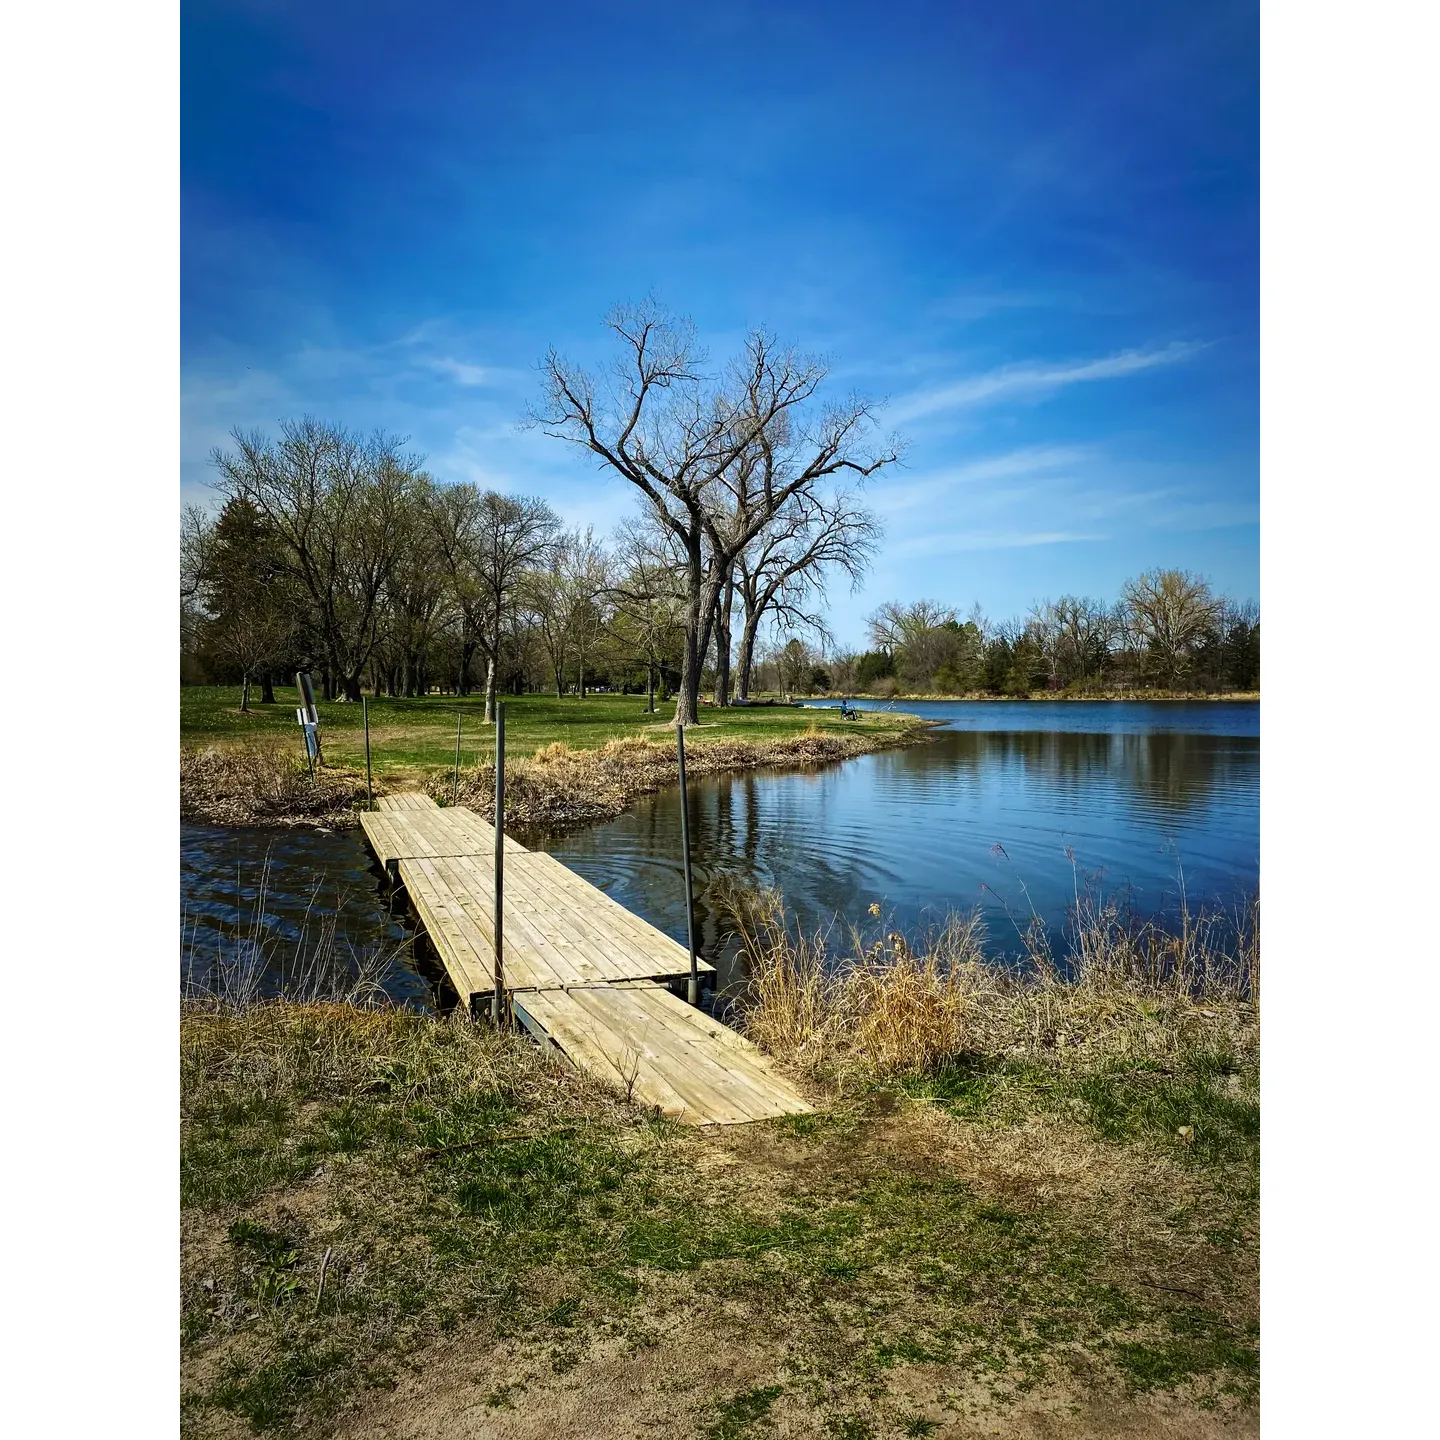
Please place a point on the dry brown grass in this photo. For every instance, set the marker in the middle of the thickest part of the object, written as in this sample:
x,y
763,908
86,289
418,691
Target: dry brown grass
x,y
883,1008
559,787
264,784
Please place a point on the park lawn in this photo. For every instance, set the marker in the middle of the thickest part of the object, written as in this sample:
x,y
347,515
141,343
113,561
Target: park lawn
x,y
399,1225
416,735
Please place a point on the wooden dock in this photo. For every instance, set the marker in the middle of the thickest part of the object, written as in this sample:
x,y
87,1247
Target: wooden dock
x,y
581,973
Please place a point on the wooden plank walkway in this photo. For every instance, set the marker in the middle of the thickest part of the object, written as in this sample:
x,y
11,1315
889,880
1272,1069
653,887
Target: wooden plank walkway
x,y
582,973
409,801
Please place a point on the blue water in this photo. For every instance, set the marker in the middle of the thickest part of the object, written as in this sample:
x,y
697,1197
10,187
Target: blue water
x,y
1008,807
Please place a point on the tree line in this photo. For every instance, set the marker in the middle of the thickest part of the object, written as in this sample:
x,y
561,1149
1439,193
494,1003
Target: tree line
x,y
1168,630
338,553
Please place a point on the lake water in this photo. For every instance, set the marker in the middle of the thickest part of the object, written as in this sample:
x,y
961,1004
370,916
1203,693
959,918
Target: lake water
x,y
1007,807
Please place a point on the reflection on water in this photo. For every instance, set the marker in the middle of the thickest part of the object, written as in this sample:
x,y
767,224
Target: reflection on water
x,y
988,813
973,818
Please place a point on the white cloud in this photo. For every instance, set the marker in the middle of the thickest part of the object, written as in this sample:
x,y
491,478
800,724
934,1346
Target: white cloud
x,y
460,371
957,540
890,498
1033,380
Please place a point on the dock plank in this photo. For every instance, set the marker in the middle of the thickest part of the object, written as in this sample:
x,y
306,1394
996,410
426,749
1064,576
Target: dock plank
x,y
432,834
672,1072
409,800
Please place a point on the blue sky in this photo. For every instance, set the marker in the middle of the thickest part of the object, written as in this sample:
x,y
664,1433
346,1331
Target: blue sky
x,y
1031,228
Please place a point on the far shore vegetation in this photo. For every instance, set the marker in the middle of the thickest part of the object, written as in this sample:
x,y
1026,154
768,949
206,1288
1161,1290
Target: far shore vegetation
x,y
1028,1199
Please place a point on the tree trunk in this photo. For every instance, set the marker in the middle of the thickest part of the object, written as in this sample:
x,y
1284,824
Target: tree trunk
x,y
490,690
747,655
267,689
650,685
705,597
245,693
722,644
559,680
352,686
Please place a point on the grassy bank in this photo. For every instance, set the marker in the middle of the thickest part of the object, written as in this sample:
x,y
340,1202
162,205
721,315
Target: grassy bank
x,y
409,737
1028,1205
568,761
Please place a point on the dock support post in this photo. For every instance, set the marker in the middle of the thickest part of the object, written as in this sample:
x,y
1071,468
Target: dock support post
x,y
694,989
497,1002
369,788
455,788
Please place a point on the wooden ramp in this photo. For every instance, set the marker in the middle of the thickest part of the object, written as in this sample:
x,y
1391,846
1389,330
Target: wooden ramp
x,y
582,973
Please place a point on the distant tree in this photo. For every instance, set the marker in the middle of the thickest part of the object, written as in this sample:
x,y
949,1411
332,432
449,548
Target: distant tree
x,y
251,619
873,665
1171,610
645,603
922,638
796,663
338,507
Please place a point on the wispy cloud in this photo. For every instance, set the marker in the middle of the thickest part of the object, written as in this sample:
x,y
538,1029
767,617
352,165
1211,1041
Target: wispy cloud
x,y
952,542
460,371
1010,465
1033,380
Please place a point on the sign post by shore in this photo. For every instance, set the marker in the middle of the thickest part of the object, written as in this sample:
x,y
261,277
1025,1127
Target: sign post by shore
x,y
694,990
309,719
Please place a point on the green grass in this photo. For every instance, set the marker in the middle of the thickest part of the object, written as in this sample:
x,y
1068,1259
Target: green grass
x,y
467,1190
1204,1108
411,735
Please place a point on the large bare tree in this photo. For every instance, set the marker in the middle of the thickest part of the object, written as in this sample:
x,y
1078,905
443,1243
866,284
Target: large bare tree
x,y
692,444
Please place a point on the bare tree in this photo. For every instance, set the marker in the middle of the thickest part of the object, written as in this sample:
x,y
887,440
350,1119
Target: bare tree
x,y
1171,611
785,565
337,506
690,446
563,599
645,600
585,574
489,543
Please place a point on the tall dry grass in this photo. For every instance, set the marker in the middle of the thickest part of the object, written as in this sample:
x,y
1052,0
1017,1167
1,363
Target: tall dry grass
x,y
882,1006
264,784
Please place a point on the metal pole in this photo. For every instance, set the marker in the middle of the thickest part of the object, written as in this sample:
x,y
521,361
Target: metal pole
x,y
689,883
455,790
496,1000
369,788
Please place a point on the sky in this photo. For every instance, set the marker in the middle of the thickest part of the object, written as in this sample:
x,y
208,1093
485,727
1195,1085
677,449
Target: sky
x,y
1028,229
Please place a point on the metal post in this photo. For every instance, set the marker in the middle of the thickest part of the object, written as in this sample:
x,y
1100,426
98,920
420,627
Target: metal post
x,y
369,788
455,790
496,998
689,883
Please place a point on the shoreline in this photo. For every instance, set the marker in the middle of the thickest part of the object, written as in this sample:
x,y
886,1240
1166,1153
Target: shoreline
x,y
1147,697
554,790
